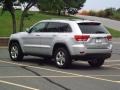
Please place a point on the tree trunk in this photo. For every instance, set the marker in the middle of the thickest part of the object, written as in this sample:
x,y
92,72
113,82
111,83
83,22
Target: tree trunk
x,y
59,12
22,21
30,4
13,21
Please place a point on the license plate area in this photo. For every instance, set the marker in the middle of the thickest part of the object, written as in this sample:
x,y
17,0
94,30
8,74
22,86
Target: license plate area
x,y
97,43
98,40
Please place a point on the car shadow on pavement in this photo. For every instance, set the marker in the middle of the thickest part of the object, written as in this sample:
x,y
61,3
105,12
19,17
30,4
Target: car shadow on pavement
x,y
75,65
84,66
38,61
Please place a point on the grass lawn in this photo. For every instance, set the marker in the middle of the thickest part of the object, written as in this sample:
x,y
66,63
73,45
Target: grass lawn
x,y
114,33
6,22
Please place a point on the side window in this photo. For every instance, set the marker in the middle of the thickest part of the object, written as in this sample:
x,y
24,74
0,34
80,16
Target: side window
x,y
64,27
58,27
38,27
52,27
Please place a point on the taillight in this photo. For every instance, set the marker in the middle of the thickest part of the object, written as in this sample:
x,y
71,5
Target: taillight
x,y
81,37
109,38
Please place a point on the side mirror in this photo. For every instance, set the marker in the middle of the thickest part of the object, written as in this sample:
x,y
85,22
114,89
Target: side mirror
x,y
27,30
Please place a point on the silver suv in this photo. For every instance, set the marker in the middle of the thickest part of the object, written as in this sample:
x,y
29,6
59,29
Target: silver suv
x,y
63,41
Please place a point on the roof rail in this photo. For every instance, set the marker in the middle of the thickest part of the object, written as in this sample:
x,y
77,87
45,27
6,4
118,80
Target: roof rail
x,y
71,19
76,19
59,19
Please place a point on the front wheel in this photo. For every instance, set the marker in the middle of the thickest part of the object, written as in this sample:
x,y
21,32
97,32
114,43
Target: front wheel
x,y
96,62
15,52
62,58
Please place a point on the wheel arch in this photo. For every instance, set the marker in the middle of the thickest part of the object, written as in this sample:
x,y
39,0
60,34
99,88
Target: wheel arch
x,y
60,45
14,41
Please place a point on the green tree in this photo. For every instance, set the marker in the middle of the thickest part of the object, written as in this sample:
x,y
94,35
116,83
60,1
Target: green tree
x,y
101,13
92,13
8,6
51,5
118,10
59,5
47,5
109,12
29,5
74,3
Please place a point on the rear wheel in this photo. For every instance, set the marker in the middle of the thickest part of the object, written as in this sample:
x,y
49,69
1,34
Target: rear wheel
x,y
62,57
96,62
15,52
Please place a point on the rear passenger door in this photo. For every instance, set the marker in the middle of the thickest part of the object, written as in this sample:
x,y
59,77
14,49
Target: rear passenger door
x,y
54,31
47,38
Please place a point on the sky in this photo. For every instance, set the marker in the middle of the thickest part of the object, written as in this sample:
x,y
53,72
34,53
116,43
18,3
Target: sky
x,y
100,4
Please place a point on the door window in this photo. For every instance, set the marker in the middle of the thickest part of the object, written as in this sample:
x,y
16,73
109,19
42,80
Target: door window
x,y
58,27
40,27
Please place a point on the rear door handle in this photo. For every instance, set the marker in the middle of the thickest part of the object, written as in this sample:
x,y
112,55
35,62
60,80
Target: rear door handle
x,y
54,35
37,35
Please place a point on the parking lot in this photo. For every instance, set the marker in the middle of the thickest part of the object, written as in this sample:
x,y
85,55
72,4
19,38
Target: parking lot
x,y
33,73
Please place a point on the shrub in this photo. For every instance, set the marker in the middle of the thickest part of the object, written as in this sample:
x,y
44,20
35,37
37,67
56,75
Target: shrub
x,y
101,13
92,13
116,16
107,13
84,12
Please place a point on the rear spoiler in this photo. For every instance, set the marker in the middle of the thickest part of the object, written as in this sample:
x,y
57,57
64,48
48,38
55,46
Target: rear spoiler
x,y
89,23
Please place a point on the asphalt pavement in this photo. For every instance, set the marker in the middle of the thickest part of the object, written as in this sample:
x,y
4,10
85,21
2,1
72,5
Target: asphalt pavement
x,y
34,73
107,22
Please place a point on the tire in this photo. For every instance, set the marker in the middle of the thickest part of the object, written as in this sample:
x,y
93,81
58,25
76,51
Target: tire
x,y
15,52
62,58
96,62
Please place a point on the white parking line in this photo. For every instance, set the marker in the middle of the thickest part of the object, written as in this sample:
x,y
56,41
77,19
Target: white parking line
x,y
106,75
116,42
5,77
108,61
73,74
112,61
40,68
114,67
111,65
9,77
18,85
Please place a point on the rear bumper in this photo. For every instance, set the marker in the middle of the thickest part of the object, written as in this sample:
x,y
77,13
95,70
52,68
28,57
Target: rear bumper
x,y
81,50
88,57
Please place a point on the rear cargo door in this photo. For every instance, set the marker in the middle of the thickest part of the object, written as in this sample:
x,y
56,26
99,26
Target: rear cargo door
x,y
98,36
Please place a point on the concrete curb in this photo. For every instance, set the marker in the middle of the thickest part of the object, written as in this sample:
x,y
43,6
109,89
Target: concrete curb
x,y
4,41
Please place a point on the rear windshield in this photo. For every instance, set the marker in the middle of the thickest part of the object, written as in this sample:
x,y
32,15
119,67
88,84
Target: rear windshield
x,y
92,28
